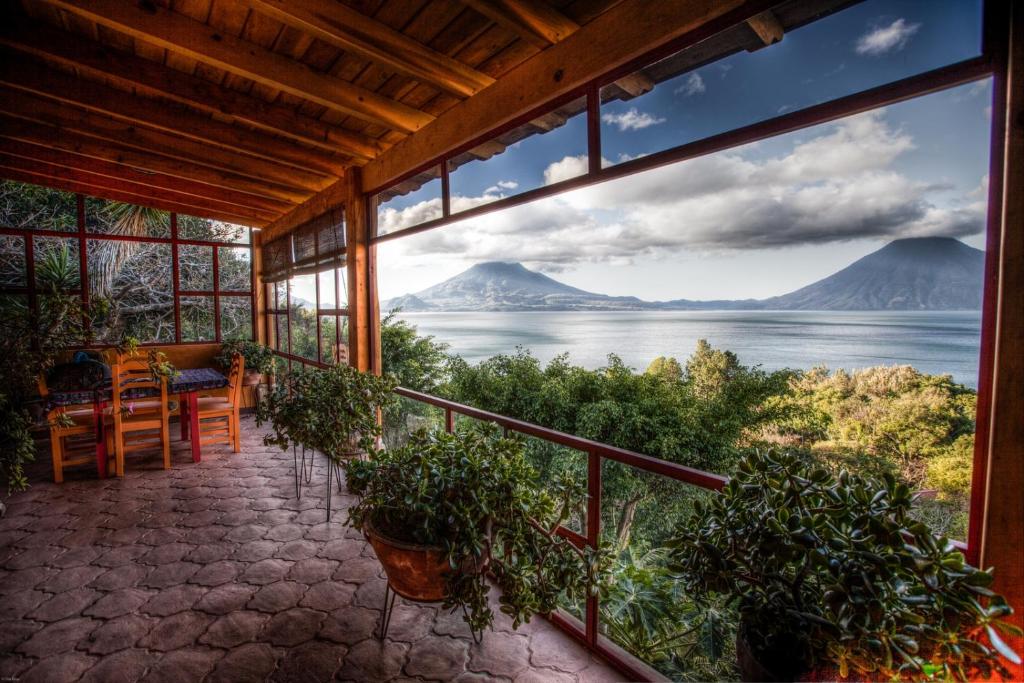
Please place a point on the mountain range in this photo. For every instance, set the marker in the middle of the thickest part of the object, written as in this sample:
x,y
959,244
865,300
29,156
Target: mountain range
x,y
924,273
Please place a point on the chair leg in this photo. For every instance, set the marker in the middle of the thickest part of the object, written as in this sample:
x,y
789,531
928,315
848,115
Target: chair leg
x,y
165,441
119,454
57,451
236,431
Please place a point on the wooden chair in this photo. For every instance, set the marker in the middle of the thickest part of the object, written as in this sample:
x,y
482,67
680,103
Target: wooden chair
x,y
136,430
72,434
218,415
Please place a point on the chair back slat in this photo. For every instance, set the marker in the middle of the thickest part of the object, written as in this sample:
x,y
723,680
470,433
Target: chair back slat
x,y
235,376
134,376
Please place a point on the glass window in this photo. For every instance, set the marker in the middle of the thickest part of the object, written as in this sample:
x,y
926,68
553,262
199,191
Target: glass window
x,y
195,268
302,290
547,150
56,262
328,297
209,230
12,261
328,338
235,317
197,319
280,323
33,207
235,268
281,296
684,98
411,202
130,220
130,289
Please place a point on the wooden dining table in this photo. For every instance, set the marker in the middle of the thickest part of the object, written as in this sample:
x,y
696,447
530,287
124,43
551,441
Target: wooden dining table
x,y
186,384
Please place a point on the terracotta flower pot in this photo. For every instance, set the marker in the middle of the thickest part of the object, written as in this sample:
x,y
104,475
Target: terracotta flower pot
x,y
416,572
251,378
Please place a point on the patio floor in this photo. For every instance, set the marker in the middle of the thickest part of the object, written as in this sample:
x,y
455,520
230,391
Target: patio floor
x,y
215,571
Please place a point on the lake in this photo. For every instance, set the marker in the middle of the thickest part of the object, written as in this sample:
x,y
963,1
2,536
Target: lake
x,y
935,342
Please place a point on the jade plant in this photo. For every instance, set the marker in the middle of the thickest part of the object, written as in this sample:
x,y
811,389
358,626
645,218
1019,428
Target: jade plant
x,y
834,573
258,357
332,410
474,495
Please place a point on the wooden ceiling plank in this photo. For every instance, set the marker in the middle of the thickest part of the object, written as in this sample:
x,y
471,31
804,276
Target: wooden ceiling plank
x,y
61,182
62,48
40,80
152,190
63,139
34,108
27,150
350,30
533,20
625,32
767,27
178,33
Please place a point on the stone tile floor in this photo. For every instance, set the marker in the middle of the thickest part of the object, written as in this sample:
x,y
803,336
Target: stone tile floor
x,y
216,572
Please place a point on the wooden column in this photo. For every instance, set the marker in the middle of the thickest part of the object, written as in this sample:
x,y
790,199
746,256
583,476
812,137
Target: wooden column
x,y
358,258
1002,544
259,299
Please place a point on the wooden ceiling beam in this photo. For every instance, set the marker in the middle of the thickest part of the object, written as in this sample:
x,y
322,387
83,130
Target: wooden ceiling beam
x,y
64,87
534,21
186,203
167,29
111,169
352,31
767,27
44,110
59,47
58,138
61,182
624,33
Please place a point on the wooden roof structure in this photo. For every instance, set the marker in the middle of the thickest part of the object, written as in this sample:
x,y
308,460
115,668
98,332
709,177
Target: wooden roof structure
x,y
243,109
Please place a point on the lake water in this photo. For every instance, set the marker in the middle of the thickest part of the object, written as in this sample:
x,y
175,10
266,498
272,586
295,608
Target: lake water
x,y
935,342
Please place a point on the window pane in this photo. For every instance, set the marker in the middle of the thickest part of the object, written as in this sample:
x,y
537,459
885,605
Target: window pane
x,y
302,290
209,230
197,323
327,293
328,340
281,295
235,268
410,203
546,150
12,261
56,262
131,290
343,288
118,218
280,323
195,268
235,317
30,206
863,46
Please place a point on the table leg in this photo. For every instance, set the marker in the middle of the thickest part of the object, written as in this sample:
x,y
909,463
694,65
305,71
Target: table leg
x,y
193,418
101,439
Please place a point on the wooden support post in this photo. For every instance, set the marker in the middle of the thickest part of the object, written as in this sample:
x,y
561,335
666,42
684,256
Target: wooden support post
x,y
1002,543
358,258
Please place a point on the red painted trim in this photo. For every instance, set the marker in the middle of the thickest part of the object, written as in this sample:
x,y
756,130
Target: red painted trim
x,y
175,278
216,294
5,230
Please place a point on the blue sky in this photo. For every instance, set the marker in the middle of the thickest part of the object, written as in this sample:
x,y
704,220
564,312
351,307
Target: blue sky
x,y
750,222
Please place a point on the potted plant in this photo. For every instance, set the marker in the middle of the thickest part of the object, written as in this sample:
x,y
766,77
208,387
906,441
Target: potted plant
x,y
446,510
833,576
259,359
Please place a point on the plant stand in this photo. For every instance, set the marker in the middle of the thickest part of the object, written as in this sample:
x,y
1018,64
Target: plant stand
x,y
389,607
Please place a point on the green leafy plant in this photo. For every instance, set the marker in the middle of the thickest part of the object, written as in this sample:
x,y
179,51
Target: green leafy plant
x,y
833,571
258,357
332,410
159,364
474,495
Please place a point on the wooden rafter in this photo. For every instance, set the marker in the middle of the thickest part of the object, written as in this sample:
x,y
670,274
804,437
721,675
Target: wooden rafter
x,y
111,169
58,138
534,21
152,78
61,181
65,88
194,39
625,32
343,27
767,27
43,110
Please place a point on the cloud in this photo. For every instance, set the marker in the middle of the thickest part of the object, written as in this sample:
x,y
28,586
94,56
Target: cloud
x,y
833,183
501,185
884,39
632,119
693,85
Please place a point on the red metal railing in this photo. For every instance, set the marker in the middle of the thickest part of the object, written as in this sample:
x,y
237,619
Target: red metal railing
x,y
589,632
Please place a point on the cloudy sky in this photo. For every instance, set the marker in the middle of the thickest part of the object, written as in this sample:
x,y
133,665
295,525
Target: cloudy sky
x,y
754,221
